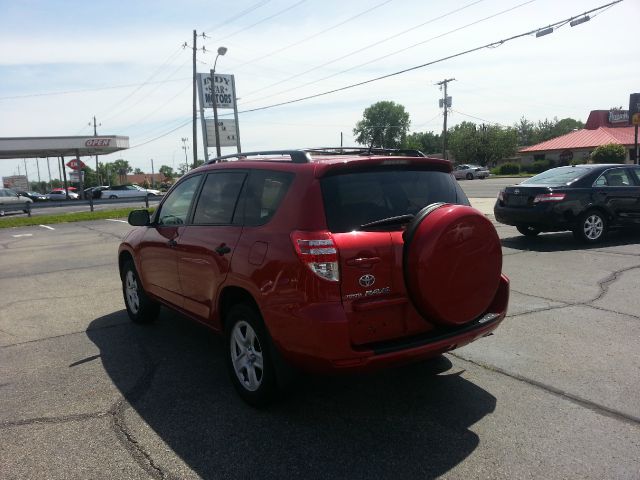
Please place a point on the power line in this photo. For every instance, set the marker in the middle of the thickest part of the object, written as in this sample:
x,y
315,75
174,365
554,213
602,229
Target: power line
x,y
280,12
317,34
366,47
478,118
390,54
241,14
417,67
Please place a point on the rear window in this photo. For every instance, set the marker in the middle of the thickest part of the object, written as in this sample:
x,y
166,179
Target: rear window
x,y
558,176
353,199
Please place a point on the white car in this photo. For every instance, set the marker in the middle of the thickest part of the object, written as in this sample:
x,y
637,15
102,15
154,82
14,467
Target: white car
x,y
60,195
470,172
128,191
10,200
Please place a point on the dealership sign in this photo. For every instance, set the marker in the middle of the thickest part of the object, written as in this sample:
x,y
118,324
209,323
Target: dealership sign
x,y
222,88
618,116
634,108
227,131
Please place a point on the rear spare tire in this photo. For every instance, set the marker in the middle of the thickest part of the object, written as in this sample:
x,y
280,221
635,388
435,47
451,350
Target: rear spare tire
x,y
452,263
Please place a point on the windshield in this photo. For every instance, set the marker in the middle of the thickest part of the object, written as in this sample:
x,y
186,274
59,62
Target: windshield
x,y
358,198
557,176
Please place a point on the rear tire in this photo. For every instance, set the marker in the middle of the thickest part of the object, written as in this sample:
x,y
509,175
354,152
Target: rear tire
x,y
591,227
249,356
111,197
469,176
140,307
527,231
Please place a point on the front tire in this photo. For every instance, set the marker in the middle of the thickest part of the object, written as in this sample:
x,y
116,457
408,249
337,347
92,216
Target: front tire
x,y
249,356
591,227
469,176
528,231
140,307
111,197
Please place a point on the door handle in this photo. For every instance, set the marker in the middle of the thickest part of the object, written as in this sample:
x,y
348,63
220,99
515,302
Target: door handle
x,y
172,243
223,249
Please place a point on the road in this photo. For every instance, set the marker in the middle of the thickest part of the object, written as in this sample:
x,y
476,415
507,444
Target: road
x,y
487,188
87,394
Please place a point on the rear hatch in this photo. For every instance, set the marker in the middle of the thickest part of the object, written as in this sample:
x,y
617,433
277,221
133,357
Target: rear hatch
x,y
522,196
372,285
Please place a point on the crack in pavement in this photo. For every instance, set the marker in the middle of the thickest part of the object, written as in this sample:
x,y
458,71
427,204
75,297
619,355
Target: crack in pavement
x,y
101,233
117,421
34,274
583,402
36,340
57,297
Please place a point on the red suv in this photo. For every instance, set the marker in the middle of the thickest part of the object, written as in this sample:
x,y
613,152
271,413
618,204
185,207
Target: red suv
x,y
323,260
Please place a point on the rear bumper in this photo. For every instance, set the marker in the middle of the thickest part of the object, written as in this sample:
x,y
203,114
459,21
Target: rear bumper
x,y
326,348
542,217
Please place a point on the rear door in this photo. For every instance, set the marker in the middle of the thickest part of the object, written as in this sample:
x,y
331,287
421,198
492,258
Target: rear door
x,y
371,268
618,190
206,246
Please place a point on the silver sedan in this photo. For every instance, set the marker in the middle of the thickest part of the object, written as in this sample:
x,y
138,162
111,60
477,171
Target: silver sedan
x,y
470,172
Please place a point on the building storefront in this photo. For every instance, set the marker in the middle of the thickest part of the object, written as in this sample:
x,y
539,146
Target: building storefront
x,y
602,127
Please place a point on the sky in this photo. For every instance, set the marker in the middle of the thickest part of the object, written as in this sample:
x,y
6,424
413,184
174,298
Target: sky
x,y
63,62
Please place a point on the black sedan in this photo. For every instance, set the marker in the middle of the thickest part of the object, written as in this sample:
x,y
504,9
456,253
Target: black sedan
x,y
586,199
35,196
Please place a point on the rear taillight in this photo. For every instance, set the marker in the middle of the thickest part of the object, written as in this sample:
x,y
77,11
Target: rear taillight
x,y
501,196
549,197
317,250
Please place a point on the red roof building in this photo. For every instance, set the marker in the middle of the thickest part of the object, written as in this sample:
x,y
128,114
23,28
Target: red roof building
x,y
602,127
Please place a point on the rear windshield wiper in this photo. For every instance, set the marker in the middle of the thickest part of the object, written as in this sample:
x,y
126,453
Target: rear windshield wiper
x,y
385,222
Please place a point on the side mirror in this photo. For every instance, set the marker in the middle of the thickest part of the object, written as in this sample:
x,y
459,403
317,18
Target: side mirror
x,y
139,218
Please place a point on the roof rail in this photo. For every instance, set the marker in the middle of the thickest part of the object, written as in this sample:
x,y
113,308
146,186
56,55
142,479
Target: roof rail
x,y
297,156
365,151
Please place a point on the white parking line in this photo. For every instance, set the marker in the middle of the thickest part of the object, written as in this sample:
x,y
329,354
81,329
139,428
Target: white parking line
x,y
47,226
115,220
23,235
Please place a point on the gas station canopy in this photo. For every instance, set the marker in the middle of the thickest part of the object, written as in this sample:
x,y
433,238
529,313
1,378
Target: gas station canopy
x,y
40,147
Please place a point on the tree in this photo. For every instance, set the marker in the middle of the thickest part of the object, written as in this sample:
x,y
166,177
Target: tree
x,y
167,171
138,171
483,144
426,142
609,153
525,131
122,167
383,124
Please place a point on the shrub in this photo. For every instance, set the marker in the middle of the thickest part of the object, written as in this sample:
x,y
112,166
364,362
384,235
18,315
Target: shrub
x,y
538,166
508,169
609,153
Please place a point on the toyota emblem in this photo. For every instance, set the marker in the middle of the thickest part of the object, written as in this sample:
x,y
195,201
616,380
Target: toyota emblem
x,y
367,280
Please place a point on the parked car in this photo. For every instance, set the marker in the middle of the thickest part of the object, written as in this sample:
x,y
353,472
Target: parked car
x,y
11,201
470,172
124,191
35,196
586,199
324,261
59,194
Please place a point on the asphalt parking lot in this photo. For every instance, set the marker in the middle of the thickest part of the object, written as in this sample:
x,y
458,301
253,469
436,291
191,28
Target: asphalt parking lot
x,y
86,394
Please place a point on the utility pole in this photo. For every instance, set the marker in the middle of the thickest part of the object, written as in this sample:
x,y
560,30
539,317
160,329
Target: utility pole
x,y
186,160
195,130
153,175
95,134
446,104
26,173
38,167
49,169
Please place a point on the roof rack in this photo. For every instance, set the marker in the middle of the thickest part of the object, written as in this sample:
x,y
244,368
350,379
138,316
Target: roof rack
x,y
365,151
297,156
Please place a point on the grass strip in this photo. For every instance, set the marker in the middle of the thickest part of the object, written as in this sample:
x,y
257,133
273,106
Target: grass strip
x,y
24,221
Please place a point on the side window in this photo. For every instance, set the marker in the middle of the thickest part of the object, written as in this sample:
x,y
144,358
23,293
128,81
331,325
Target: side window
x,y
636,171
263,195
618,177
2,194
175,208
218,198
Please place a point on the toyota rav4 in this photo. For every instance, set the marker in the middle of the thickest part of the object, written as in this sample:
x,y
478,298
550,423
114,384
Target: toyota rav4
x,y
332,260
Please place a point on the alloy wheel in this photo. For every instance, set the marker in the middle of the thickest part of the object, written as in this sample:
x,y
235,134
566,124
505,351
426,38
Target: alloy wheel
x,y
131,288
593,227
246,356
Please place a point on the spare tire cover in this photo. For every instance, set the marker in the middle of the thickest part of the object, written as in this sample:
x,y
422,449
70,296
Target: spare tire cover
x,y
452,263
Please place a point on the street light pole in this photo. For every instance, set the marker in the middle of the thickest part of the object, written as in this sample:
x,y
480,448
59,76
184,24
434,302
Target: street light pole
x,y
221,51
